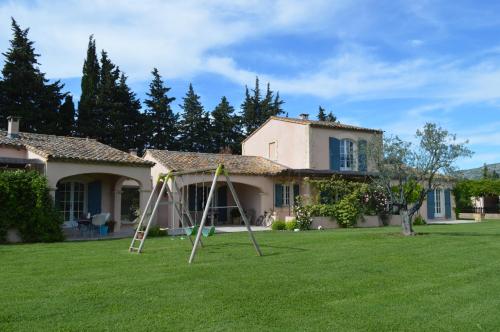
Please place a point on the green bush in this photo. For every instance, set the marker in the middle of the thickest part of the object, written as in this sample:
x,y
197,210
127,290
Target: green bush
x,y
278,225
419,221
27,206
348,210
291,225
155,231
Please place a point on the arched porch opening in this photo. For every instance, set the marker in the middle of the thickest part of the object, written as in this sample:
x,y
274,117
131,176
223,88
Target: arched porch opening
x,y
81,196
223,210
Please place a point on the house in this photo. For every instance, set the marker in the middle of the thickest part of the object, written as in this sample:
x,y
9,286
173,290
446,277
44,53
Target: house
x,y
276,160
84,176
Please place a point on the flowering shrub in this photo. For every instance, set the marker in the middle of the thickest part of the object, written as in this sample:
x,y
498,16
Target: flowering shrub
x,y
302,214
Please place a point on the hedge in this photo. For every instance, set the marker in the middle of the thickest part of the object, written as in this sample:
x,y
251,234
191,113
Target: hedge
x,y
27,206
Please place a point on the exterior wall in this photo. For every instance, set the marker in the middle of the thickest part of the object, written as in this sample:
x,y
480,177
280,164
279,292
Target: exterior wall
x,y
292,143
319,149
254,192
8,152
112,178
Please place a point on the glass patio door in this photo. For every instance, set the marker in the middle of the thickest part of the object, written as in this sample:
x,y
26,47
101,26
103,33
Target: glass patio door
x,y
71,201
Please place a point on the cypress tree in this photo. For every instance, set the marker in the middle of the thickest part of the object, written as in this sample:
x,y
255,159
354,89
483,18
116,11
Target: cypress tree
x,y
256,110
90,86
66,118
127,130
103,127
162,126
321,114
226,128
24,90
195,124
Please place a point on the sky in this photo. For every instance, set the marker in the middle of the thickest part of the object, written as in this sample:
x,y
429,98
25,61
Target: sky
x,y
393,65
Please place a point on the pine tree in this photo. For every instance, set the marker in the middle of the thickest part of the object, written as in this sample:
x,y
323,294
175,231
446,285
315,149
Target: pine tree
x,y
226,129
256,110
330,117
162,126
66,118
24,90
90,88
321,114
195,124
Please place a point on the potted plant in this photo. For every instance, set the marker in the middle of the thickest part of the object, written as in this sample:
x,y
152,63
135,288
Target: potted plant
x,y
111,225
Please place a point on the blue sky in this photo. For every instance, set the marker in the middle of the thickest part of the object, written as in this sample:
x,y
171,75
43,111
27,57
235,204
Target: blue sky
x,y
384,64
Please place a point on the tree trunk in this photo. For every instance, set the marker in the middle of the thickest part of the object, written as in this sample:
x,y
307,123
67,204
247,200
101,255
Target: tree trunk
x,y
406,223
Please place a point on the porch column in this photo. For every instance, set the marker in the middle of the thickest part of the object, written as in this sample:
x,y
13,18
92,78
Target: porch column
x,y
143,199
117,209
52,192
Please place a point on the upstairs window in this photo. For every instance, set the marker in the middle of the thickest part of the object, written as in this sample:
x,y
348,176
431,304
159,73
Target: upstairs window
x,y
346,155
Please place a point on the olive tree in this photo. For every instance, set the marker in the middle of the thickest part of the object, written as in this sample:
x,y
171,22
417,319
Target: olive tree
x,y
407,171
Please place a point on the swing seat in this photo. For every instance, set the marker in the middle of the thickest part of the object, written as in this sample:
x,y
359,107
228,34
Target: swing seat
x,y
208,231
191,230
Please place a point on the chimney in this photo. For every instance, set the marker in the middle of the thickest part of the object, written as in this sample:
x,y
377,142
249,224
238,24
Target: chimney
x,y
13,127
304,116
133,152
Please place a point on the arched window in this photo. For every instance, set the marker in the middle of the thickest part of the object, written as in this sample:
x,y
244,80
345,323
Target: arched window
x,y
346,155
70,198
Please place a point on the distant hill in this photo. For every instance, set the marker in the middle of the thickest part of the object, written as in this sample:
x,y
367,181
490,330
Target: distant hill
x,y
477,173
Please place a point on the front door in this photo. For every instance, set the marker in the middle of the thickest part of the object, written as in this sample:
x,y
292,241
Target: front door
x,y
439,203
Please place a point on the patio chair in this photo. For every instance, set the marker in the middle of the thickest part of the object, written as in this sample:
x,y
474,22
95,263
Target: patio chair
x,y
99,221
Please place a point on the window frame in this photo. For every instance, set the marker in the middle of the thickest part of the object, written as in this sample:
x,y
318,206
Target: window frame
x,y
347,154
72,200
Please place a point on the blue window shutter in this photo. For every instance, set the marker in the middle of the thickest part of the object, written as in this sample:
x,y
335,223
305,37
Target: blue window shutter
x,y
278,195
362,159
334,148
447,204
222,201
296,190
430,204
94,197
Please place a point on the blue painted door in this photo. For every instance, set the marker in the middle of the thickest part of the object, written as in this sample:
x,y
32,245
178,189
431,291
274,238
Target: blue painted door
x,y
431,204
362,158
94,197
278,195
334,151
447,204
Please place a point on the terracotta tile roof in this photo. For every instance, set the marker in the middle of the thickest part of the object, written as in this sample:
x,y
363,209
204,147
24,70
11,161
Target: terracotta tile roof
x,y
326,124
64,148
317,124
236,164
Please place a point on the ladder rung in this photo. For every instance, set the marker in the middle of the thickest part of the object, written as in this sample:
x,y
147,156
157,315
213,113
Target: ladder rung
x,y
133,248
140,231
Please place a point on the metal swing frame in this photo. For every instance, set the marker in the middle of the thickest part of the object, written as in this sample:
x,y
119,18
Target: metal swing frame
x,y
141,235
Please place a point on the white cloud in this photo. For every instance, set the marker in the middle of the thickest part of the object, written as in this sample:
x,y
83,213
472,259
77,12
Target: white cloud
x,y
174,35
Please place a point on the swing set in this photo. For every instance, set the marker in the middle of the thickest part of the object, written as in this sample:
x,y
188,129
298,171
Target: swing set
x,y
190,228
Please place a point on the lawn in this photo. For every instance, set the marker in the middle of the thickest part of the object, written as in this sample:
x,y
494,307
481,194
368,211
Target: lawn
x,y
448,278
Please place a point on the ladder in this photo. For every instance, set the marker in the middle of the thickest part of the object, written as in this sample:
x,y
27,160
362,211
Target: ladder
x,y
142,232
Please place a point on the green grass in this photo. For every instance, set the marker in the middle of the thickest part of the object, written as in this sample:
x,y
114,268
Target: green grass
x,y
448,278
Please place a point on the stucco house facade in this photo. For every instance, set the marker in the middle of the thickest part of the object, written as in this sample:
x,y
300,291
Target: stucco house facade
x,y
84,176
277,160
